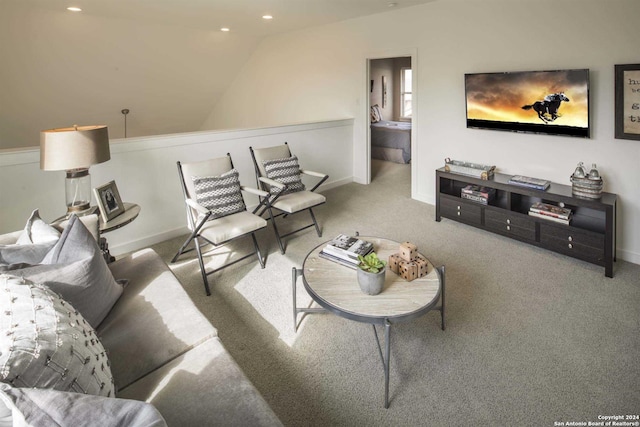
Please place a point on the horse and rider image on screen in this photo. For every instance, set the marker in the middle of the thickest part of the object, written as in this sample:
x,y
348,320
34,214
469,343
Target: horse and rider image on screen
x,y
550,102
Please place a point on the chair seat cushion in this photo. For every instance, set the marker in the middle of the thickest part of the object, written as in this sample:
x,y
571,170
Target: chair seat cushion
x,y
295,202
222,229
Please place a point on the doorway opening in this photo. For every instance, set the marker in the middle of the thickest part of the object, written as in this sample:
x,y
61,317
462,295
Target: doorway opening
x,y
391,111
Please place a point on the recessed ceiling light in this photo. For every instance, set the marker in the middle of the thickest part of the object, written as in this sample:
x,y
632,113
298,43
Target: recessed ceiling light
x,y
392,4
225,29
74,9
267,17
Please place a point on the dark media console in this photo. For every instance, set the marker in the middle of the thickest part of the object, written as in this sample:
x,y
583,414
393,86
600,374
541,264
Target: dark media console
x,y
590,236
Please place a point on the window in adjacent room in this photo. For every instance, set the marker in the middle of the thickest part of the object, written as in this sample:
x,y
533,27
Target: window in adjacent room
x,y
405,93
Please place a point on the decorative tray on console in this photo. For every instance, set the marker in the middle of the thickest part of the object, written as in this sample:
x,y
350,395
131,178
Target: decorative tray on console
x,y
471,169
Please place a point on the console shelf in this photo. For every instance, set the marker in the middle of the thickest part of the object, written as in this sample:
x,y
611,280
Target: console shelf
x,y
591,235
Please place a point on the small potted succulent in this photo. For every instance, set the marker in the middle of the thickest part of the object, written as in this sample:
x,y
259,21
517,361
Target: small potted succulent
x,y
371,273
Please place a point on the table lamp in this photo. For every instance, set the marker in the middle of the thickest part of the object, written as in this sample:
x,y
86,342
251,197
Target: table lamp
x,y
74,150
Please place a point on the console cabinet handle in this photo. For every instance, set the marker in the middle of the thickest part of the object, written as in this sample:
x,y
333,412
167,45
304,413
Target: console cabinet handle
x,y
570,239
570,246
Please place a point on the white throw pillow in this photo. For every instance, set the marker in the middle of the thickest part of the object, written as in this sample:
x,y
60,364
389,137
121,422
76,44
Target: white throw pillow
x,y
37,231
46,343
32,245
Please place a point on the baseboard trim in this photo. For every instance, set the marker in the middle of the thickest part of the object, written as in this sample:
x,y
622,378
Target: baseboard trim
x,y
147,241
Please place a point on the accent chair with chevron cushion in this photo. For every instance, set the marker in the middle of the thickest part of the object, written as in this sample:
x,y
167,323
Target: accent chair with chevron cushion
x,y
216,212
279,173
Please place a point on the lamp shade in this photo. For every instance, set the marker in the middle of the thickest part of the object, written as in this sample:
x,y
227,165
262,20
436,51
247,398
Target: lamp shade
x,y
76,147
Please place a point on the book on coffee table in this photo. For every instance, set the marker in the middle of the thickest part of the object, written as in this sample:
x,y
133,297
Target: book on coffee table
x,y
346,249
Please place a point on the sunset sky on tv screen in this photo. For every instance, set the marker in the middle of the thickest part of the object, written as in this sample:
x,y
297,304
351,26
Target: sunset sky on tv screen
x,y
501,96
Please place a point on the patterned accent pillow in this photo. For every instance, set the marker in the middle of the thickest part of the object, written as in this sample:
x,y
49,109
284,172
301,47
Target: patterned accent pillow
x,y
46,343
286,171
220,194
376,114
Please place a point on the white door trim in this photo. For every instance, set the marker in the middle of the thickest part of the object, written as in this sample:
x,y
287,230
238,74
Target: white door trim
x,y
392,53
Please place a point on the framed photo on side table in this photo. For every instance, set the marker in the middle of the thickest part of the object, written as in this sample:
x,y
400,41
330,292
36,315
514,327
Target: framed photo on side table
x,y
109,201
628,101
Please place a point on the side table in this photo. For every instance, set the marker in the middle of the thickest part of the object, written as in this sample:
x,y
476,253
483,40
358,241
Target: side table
x,y
131,212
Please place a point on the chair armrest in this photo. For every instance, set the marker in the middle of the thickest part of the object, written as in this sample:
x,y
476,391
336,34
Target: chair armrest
x,y
272,182
254,191
193,204
312,173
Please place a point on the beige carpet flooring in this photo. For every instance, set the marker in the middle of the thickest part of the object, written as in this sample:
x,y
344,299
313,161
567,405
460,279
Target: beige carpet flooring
x,y
532,337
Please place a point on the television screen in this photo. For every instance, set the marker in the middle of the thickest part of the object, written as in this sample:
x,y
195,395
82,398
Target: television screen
x,y
547,102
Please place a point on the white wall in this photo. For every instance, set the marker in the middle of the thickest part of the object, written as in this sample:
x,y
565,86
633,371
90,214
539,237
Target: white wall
x,y
320,73
145,173
377,69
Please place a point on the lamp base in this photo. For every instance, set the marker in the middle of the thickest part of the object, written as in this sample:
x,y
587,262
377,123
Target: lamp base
x,y
78,190
79,208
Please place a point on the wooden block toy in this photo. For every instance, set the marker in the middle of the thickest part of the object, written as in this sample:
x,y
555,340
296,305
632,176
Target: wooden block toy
x,y
422,264
394,263
408,251
408,270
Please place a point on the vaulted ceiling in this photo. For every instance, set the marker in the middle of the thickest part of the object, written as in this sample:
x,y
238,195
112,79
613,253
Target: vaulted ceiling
x,y
167,61
243,16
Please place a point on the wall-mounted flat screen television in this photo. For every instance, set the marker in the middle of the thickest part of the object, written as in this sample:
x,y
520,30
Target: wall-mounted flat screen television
x,y
545,102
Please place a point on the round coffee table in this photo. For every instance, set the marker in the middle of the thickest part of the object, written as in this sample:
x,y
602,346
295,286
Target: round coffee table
x,y
335,288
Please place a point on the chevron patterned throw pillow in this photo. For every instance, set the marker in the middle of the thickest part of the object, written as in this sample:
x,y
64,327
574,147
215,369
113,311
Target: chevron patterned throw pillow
x,y
220,194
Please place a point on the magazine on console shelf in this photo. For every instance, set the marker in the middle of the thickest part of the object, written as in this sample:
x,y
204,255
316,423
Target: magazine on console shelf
x,y
550,217
551,210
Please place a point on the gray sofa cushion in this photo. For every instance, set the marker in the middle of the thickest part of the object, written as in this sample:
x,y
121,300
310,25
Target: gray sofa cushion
x,y
154,321
227,396
75,268
53,408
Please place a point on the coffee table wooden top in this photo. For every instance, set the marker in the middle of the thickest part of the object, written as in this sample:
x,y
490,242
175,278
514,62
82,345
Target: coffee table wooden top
x,y
335,287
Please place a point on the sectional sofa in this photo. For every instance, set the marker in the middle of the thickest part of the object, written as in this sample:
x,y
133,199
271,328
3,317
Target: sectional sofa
x,y
160,349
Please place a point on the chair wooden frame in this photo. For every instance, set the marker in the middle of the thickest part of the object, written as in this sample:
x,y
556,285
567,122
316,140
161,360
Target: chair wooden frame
x,y
264,183
197,218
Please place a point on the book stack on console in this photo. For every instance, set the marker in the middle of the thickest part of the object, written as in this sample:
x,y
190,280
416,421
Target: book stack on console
x,y
345,249
478,194
551,212
526,181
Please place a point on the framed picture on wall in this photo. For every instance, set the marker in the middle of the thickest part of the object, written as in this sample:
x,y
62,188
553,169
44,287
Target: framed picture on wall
x,y
384,91
109,201
627,101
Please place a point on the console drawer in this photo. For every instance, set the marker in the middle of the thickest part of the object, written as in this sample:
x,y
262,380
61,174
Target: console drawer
x,y
578,243
510,224
461,211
